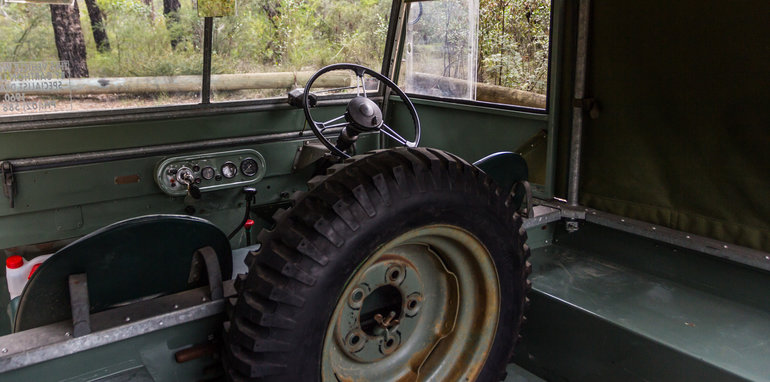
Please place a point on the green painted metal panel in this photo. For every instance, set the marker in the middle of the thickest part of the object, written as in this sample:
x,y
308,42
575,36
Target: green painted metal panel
x,y
716,276
471,132
563,342
152,352
64,140
49,201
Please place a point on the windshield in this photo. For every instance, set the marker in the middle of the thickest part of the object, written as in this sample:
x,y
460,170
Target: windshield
x,y
107,54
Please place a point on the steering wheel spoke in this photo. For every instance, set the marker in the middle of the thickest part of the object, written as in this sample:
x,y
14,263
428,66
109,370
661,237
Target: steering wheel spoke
x,y
341,124
385,129
332,120
360,83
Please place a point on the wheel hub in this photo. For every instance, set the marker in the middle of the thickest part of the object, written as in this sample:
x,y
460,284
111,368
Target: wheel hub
x,y
381,311
400,315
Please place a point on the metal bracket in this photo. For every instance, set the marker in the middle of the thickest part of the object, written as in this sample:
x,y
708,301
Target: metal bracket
x,y
571,213
81,307
307,154
9,184
587,104
526,210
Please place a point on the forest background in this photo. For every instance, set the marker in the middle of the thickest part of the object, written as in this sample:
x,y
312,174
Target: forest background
x,y
133,38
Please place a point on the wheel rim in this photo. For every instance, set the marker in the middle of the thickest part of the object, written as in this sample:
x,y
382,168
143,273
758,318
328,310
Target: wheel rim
x,y
424,306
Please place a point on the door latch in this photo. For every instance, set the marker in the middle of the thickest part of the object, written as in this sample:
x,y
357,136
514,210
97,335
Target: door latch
x,y
9,184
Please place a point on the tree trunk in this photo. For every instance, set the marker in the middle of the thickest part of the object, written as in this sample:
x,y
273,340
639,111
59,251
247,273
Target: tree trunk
x,y
97,26
170,9
69,39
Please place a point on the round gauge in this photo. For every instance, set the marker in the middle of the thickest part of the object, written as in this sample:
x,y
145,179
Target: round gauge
x,y
249,167
208,173
229,170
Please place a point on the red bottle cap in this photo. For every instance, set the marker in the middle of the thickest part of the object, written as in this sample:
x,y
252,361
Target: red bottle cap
x,y
31,271
248,224
14,262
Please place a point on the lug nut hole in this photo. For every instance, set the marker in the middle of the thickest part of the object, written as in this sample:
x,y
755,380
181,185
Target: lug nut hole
x,y
354,341
356,298
412,306
395,274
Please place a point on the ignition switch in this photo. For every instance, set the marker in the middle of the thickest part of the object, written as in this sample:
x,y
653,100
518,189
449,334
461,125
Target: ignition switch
x,y
185,176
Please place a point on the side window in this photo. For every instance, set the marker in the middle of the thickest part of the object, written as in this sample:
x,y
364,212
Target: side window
x,y
271,46
98,54
485,50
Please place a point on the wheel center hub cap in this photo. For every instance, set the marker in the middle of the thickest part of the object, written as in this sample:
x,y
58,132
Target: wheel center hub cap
x,y
381,312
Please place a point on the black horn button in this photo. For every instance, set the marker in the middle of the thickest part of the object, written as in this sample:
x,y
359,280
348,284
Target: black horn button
x,y
364,114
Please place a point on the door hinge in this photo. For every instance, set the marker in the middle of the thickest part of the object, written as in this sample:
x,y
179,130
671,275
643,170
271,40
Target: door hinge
x,y
9,184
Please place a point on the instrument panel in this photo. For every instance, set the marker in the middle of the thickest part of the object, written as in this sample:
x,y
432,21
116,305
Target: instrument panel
x,y
210,171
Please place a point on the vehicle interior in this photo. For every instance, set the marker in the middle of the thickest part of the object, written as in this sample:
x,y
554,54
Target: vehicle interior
x,y
630,138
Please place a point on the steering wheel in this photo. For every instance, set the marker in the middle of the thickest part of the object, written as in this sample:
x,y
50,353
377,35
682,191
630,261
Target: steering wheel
x,y
362,114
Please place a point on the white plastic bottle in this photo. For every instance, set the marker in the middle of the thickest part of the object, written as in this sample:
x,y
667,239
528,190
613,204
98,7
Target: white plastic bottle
x,y
18,271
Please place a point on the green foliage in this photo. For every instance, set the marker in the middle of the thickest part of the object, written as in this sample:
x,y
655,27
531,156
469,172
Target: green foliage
x,y
141,41
271,35
513,43
27,34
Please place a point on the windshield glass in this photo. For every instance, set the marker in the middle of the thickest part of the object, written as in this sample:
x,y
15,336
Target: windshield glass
x,y
484,50
107,54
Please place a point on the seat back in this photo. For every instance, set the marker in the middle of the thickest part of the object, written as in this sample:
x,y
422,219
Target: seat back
x,y
129,260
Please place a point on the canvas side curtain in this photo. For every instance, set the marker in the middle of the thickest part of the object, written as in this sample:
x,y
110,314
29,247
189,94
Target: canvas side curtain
x,y
683,134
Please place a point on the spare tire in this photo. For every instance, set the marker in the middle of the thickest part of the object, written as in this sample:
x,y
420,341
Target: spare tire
x,y
400,264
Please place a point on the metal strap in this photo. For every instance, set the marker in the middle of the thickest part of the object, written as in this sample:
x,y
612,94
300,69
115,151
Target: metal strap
x,y
211,260
526,205
9,186
81,307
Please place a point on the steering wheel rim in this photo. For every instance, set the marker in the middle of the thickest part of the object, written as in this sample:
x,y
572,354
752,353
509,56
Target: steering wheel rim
x,y
319,127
